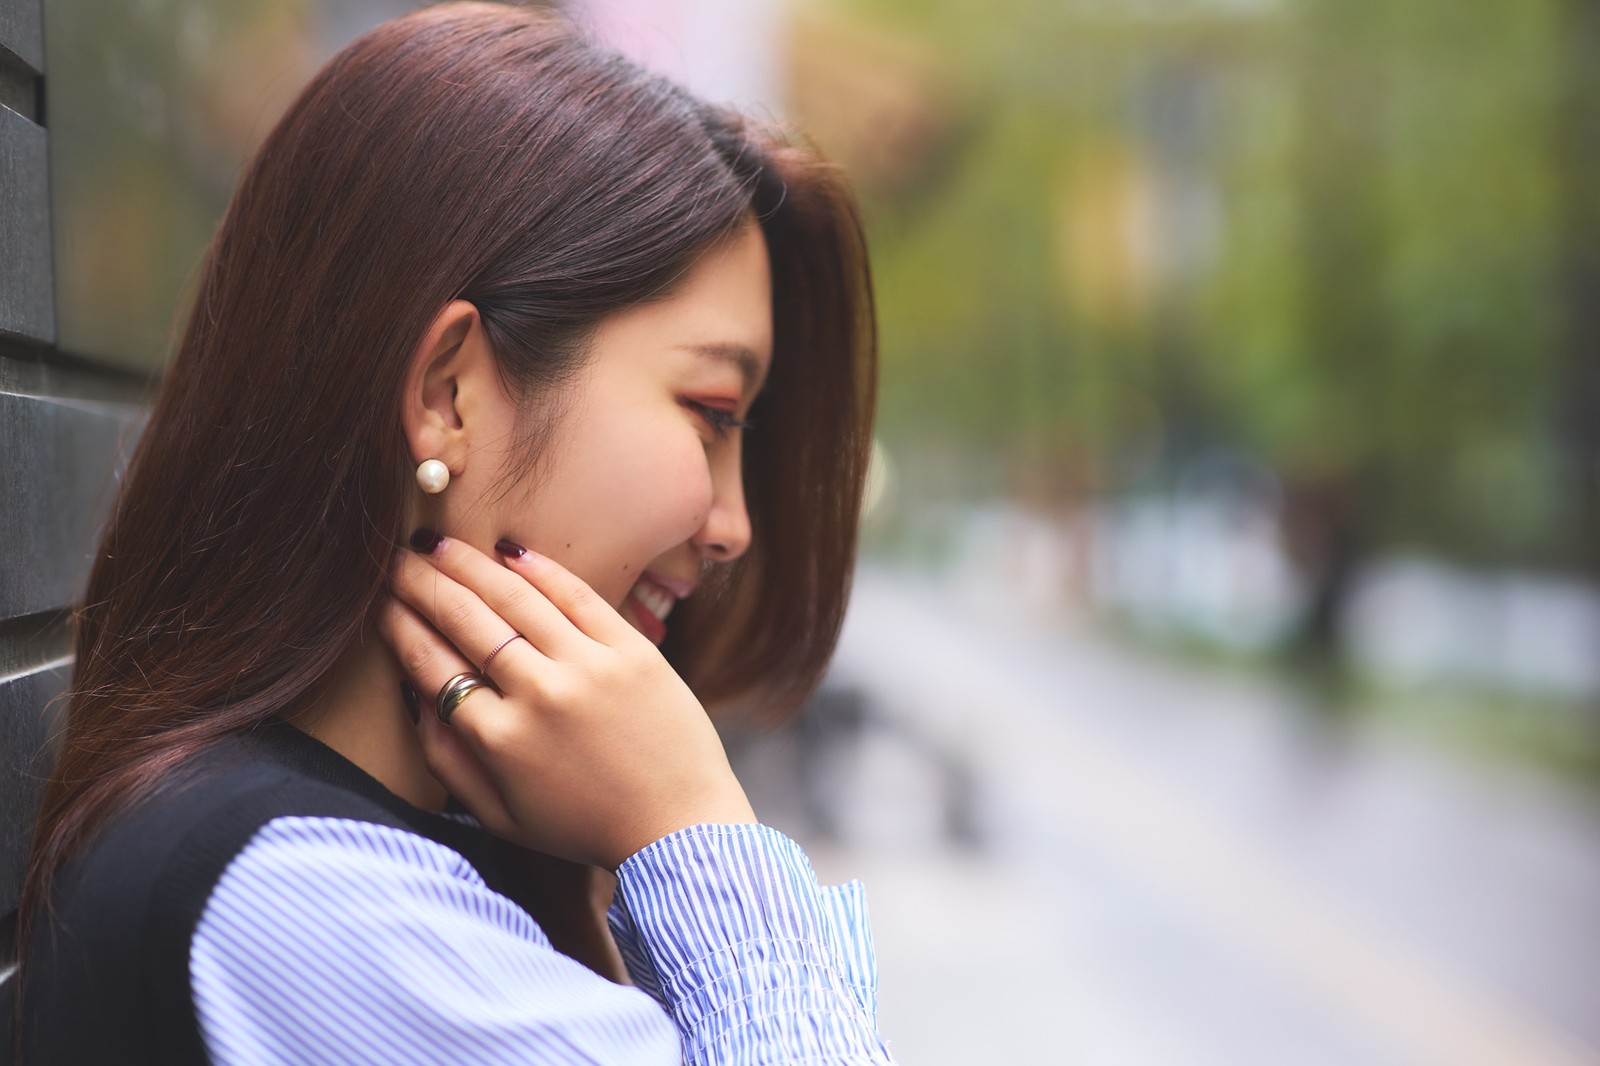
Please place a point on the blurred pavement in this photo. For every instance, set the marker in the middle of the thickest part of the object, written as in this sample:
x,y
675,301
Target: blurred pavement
x,y
1078,853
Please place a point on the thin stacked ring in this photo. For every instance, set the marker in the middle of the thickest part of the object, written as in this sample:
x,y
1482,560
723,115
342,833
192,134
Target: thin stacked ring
x,y
455,692
484,669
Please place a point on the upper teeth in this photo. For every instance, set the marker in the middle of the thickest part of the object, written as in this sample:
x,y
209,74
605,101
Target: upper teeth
x,y
657,601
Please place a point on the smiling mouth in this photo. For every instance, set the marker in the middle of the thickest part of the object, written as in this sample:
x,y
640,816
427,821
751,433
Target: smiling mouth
x,y
650,602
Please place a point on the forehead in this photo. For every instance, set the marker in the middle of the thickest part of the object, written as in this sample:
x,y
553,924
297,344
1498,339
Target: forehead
x,y
719,314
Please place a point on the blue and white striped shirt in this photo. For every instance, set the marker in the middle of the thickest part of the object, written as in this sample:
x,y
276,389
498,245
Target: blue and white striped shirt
x,y
336,940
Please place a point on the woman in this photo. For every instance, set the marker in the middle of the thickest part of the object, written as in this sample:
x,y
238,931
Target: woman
x,y
497,295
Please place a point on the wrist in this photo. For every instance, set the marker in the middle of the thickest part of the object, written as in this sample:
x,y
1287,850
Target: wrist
x,y
709,817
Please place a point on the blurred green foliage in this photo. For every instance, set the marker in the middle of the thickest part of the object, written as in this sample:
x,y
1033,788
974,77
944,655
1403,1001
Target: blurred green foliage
x,y
1325,233
153,108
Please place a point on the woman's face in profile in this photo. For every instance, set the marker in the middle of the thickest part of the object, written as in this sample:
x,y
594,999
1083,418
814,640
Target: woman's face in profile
x,y
641,481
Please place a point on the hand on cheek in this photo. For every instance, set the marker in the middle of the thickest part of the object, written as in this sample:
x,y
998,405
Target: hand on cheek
x,y
589,746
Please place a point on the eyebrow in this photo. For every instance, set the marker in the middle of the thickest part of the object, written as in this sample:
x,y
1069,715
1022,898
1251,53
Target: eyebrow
x,y
746,360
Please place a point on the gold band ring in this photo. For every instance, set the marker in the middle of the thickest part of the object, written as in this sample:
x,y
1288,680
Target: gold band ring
x,y
484,669
455,692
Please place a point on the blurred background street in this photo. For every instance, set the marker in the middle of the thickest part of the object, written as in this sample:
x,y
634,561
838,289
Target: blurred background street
x,y
1223,679
1078,852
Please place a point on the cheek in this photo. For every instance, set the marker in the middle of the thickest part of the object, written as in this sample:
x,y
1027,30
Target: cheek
x,y
619,494
661,490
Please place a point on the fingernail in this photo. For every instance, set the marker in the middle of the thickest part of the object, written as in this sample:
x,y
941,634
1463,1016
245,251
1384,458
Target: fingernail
x,y
509,550
408,694
424,541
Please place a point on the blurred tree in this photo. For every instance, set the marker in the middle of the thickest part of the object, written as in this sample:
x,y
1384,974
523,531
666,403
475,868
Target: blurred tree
x,y
154,107
1577,147
1324,233
1329,466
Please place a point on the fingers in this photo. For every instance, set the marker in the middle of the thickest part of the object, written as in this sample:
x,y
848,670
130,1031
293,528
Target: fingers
x,y
477,603
570,594
451,760
427,662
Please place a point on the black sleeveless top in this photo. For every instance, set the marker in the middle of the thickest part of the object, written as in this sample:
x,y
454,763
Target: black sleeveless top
x,y
107,974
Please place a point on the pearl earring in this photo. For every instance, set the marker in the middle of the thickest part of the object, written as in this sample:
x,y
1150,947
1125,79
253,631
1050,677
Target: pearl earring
x,y
433,476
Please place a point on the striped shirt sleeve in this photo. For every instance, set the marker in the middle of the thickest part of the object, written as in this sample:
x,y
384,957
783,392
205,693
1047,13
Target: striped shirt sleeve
x,y
329,940
726,926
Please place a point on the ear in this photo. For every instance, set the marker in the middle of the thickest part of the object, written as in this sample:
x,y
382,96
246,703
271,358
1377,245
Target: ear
x,y
452,365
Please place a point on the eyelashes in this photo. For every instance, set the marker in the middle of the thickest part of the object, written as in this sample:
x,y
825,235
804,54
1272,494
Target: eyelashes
x,y
721,421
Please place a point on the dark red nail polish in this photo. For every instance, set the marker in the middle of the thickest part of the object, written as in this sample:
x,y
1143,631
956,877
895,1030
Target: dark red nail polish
x,y
408,694
424,541
509,550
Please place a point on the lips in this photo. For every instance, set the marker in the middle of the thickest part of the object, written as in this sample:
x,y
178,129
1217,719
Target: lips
x,y
651,599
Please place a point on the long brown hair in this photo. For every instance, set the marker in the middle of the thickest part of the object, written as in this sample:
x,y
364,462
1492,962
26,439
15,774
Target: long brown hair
x,y
471,151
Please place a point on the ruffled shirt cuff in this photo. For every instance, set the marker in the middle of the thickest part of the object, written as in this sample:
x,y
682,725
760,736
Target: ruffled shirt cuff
x,y
726,926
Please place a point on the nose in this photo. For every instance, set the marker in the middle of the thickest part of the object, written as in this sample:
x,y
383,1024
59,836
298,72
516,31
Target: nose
x,y
725,534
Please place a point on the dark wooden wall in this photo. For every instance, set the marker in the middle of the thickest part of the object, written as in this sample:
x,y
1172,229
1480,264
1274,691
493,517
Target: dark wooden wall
x,y
64,421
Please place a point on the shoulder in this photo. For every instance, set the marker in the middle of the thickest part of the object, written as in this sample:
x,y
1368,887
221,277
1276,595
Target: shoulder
x,y
324,931
325,879
333,894
155,865
115,942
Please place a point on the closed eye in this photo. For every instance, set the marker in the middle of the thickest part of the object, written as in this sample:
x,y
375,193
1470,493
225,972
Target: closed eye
x,y
721,421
